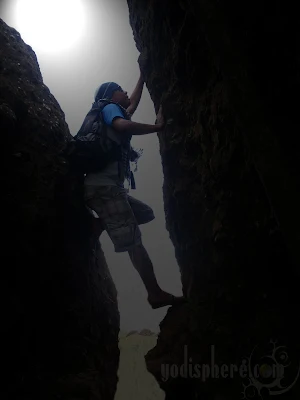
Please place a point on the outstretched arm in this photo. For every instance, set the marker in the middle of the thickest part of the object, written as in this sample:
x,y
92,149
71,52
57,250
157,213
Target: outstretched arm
x,y
135,128
136,95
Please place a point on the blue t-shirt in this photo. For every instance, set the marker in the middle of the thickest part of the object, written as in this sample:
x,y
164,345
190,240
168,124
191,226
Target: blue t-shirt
x,y
109,176
110,112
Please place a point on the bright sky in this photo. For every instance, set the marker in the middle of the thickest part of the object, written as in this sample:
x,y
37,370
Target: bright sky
x,y
70,22
79,47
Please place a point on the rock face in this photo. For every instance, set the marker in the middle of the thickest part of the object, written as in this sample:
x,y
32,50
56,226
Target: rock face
x,y
59,319
226,73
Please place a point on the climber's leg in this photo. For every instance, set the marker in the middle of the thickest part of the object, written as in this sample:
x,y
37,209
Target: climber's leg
x,y
121,215
142,263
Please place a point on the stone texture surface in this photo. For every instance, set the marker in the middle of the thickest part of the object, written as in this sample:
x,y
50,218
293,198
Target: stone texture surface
x,y
59,319
227,73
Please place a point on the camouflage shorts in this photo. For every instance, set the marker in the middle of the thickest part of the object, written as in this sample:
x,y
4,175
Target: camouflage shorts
x,y
120,214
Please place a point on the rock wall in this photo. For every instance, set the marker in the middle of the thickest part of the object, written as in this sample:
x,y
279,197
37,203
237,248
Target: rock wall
x,y
227,73
59,319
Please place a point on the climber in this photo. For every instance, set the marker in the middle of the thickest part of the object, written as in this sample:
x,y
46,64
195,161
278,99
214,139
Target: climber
x,y
119,213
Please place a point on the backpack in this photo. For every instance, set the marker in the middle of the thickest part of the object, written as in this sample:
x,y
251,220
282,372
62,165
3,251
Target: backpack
x,y
91,150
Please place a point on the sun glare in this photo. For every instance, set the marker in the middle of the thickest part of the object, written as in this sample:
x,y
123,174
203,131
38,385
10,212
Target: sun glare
x,y
50,26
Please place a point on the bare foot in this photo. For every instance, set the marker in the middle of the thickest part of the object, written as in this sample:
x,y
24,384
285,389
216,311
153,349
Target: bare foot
x,y
163,299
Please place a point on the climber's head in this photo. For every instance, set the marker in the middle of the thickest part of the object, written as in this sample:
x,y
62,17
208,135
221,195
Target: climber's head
x,y
112,91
